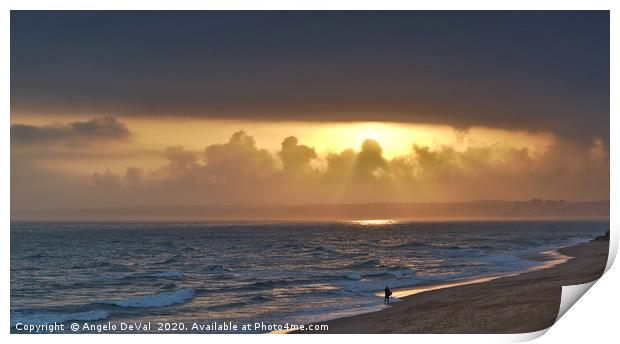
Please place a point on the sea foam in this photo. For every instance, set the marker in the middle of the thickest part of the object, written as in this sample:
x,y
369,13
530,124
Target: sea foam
x,y
353,276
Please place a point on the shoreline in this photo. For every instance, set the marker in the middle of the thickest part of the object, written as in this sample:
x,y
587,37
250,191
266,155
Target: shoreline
x,y
551,259
533,294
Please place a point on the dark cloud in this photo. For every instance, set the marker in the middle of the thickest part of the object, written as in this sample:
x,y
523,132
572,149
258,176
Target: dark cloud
x,y
531,70
96,129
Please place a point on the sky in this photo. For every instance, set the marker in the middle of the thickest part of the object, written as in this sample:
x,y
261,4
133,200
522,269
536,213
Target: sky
x,y
159,108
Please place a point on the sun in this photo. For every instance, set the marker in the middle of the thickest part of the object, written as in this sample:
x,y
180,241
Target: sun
x,y
396,139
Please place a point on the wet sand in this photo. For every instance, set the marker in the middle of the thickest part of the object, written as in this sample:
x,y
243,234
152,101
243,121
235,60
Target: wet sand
x,y
509,303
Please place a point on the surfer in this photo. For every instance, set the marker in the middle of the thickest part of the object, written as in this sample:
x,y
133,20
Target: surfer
x,y
388,293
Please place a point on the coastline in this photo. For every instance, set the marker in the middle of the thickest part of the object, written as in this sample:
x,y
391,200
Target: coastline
x,y
517,302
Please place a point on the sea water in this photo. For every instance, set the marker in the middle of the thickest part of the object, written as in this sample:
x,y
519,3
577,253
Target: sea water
x,y
274,273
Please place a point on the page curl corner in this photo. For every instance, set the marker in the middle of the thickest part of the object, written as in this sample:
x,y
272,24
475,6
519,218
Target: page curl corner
x,y
570,295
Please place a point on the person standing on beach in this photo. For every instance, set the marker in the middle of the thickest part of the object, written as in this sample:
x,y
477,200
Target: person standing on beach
x,y
388,292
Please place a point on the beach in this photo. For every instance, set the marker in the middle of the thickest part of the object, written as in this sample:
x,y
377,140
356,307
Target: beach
x,y
516,303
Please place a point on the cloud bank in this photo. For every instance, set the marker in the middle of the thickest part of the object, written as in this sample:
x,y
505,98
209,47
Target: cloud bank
x,y
96,129
239,172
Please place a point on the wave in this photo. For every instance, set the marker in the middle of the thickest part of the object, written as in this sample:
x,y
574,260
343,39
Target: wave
x,y
390,273
260,298
162,299
129,278
283,282
401,273
91,265
173,259
42,318
353,276
251,301
218,268
458,247
368,263
326,248
410,245
266,284
337,278
465,264
483,247
106,278
167,274
415,244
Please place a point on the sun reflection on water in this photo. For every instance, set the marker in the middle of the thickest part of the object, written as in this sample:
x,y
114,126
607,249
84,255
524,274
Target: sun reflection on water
x,y
375,222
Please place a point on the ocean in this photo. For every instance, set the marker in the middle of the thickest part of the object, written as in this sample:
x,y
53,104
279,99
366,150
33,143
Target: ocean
x,y
237,273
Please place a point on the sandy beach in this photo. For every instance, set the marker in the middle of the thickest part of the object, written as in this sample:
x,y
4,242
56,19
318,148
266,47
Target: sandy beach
x,y
517,303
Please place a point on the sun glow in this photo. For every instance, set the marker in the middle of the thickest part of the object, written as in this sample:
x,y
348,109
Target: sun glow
x,y
150,138
377,222
395,138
